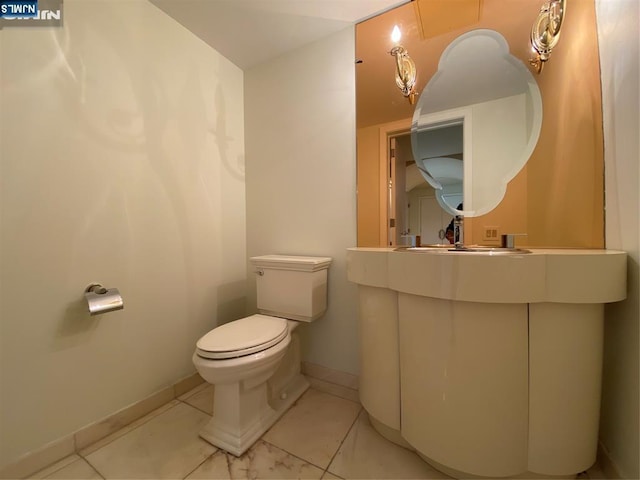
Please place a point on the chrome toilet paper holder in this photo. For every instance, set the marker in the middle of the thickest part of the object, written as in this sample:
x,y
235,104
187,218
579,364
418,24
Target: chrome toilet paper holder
x,y
102,300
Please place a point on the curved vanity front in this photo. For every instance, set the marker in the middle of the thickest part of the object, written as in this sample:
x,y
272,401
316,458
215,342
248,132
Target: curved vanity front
x,y
486,365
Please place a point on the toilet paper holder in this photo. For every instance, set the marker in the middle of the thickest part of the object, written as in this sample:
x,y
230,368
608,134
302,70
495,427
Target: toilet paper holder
x,y
102,300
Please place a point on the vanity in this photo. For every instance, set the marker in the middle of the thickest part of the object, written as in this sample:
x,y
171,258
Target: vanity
x,y
487,362
487,365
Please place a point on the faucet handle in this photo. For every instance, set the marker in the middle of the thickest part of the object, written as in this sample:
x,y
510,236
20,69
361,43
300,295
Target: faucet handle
x,y
509,240
412,240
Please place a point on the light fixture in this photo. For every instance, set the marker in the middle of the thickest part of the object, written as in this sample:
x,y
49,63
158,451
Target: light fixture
x,y
405,68
545,31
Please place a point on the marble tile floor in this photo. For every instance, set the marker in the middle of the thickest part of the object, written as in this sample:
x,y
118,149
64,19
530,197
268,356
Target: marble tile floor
x,y
321,436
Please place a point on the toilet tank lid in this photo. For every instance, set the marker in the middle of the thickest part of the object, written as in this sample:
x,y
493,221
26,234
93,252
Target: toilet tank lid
x,y
292,262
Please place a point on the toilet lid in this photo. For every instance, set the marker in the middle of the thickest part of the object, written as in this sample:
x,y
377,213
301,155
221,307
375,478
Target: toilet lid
x,y
242,337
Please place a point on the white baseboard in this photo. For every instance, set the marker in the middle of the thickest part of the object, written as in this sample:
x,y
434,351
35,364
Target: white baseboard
x,y
334,382
607,465
74,442
329,375
321,378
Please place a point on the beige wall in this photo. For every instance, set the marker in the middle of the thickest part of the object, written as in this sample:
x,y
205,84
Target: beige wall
x,y
565,176
300,149
369,192
618,24
122,162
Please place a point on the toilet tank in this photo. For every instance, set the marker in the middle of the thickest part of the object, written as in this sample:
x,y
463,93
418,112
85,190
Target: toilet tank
x,y
293,287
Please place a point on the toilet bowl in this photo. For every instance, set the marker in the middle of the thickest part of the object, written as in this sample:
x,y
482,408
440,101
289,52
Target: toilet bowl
x,y
254,362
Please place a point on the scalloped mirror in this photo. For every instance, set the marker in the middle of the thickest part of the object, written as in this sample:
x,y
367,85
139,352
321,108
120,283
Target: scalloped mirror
x,y
487,100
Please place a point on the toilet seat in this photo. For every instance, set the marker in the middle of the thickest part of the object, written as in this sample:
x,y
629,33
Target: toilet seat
x,y
242,337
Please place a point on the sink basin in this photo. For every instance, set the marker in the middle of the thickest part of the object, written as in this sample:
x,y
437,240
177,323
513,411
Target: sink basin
x,y
491,250
470,249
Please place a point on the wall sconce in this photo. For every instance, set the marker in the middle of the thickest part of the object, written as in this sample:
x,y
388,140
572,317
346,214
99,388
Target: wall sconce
x,y
405,68
545,31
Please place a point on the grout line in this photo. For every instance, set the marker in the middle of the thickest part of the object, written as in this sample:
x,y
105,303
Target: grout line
x,y
66,465
329,375
112,437
311,387
328,472
96,470
63,465
193,406
218,450
103,442
353,425
93,467
324,470
128,427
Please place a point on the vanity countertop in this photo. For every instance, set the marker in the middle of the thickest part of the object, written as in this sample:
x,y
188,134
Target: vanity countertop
x,y
543,275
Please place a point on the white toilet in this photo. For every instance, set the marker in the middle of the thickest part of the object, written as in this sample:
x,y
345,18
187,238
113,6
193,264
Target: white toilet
x,y
254,362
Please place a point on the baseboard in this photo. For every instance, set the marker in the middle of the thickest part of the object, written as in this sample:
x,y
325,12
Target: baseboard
x,y
607,465
321,378
73,443
334,382
329,375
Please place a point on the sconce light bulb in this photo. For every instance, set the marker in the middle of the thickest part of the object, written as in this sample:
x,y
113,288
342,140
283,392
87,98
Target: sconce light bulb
x,y
395,34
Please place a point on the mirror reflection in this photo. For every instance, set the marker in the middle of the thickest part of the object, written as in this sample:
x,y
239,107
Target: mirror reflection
x,y
439,153
488,102
414,206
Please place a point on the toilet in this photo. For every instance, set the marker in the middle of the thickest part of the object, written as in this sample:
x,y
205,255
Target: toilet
x,y
254,362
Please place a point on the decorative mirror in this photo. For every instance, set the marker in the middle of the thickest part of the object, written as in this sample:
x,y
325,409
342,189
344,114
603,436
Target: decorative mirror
x,y
476,123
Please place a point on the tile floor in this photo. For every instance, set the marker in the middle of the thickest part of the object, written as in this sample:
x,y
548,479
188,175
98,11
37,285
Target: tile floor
x,y
321,436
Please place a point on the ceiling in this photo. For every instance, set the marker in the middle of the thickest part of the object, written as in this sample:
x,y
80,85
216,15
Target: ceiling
x,y
250,32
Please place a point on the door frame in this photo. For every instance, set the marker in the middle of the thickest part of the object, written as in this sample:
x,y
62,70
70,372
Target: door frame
x,y
386,131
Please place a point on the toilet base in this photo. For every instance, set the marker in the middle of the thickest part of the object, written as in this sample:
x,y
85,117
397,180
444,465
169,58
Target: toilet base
x,y
248,413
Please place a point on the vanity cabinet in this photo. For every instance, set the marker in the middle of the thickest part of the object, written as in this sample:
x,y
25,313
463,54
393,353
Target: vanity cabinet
x,y
464,383
486,365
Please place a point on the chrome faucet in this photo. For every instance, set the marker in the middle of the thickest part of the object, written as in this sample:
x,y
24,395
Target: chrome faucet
x,y
458,231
